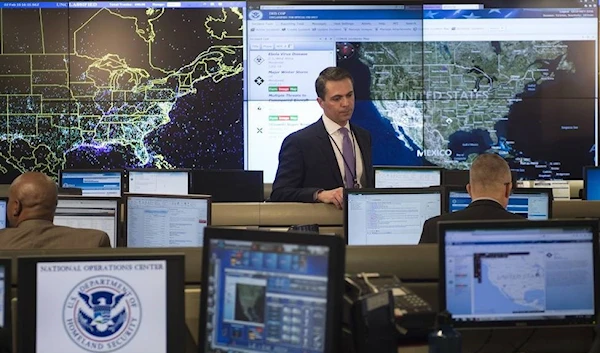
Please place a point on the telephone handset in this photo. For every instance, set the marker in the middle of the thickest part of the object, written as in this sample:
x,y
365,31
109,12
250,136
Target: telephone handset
x,y
405,300
381,312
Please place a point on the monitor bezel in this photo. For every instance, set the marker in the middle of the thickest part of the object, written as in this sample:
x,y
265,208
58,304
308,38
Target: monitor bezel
x,y
175,285
520,224
335,282
445,172
127,196
119,230
403,167
584,195
254,173
6,331
156,170
116,170
547,191
387,191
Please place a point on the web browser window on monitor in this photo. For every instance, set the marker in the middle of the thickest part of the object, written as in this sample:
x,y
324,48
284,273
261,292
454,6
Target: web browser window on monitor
x,y
389,219
91,214
519,274
164,182
93,183
166,221
529,205
407,178
289,45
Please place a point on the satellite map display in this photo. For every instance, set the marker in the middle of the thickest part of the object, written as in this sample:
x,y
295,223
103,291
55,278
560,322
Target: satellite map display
x,y
443,103
109,87
511,285
250,303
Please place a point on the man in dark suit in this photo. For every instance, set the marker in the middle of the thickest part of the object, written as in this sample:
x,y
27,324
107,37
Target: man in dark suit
x,y
30,211
489,186
317,162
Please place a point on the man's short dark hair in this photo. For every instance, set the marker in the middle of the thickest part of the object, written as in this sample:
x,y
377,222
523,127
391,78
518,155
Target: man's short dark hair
x,y
332,73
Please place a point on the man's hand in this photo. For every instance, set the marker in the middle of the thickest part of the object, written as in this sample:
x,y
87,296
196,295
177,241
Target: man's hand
x,y
335,196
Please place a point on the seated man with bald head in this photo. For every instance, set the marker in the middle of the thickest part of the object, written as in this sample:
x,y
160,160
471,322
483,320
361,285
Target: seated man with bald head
x,y
490,185
30,211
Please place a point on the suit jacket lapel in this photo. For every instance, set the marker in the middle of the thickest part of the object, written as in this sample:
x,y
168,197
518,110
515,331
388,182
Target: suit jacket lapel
x,y
325,145
366,157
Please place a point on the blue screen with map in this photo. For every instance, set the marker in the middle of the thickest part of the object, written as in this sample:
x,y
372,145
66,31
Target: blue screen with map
x,y
435,84
267,297
505,274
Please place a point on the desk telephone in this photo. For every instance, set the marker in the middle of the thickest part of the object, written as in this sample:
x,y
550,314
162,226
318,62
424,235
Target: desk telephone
x,y
380,313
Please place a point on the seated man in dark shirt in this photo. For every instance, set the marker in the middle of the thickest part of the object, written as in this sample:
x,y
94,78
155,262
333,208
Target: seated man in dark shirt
x,y
489,186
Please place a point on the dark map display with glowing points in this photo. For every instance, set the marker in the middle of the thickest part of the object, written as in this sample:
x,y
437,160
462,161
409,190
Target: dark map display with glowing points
x,y
120,87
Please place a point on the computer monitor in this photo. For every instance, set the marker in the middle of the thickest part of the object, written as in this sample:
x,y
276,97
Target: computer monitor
x,y
407,177
155,221
270,291
101,303
535,204
518,273
93,182
228,185
101,213
591,183
5,308
158,181
3,218
389,216
456,177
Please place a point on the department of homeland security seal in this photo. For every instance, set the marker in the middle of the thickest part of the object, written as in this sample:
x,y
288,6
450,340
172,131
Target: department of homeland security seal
x,y
255,15
102,314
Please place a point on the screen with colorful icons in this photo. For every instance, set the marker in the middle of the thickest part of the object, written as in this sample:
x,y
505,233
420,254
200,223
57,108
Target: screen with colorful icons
x,y
267,297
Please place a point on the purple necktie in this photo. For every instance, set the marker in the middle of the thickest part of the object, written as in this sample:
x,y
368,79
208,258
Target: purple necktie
x,y
349,159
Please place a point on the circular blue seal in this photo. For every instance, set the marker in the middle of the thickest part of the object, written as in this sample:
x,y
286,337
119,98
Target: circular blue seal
x,y
255,15
102,314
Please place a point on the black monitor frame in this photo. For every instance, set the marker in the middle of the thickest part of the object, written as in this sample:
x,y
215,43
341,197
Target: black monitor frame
x,y
585,180
119,230
387,191
155,170
515,191
6,331
121,171
175,315
516,224
196,179
127,196
448,174
335,282
401,167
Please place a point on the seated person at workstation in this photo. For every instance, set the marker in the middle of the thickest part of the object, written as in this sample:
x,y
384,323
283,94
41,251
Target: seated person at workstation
x,y
32,201
490,186
317,162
